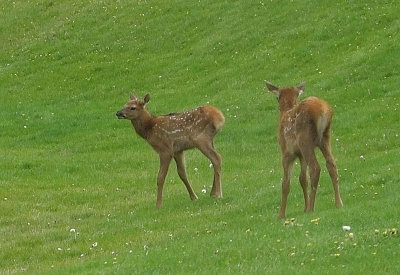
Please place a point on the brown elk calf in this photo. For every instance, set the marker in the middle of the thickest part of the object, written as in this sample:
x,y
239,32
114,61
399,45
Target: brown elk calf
x,y
304,126
170,135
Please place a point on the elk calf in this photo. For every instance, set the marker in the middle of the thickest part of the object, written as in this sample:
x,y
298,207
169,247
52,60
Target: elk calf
x,y
170,135
304,126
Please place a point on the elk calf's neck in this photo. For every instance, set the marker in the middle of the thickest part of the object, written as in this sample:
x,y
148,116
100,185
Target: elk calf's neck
x,y
170,135
303,126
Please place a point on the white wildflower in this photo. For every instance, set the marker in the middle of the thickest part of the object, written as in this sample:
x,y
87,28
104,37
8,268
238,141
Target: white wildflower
x,y
346,228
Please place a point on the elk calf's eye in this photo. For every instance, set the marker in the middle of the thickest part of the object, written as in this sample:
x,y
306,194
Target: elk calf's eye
x,y
133,108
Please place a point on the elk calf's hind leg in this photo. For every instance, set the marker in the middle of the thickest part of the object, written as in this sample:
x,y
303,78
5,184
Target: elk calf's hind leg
x,y
216,190
315,171
208,150
180,165
331,166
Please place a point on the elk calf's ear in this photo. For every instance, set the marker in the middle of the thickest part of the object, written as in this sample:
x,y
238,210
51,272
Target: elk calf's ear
x,y
301,87
146,98
133,96
272,88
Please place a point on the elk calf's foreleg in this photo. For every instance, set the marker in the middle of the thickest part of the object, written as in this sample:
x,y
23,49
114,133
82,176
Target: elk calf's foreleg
x,y
287,163
164,165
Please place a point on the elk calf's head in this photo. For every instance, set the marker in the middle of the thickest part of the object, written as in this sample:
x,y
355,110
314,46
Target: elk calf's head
x,y
287,97
303,126
133,108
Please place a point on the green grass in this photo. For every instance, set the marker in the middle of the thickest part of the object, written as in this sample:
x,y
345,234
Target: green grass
x,y
67,163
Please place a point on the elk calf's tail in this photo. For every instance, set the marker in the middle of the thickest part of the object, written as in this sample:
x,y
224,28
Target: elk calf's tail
x,y
323,122
216,117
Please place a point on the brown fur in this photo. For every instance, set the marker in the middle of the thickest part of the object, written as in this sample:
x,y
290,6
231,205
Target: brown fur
x,y
304,126
170,135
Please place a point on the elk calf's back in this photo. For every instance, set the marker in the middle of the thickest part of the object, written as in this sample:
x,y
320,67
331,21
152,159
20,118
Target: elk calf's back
x,y
304,126
170,135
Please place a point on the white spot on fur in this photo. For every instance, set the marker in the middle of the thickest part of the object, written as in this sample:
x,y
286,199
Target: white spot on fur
x,y
169,132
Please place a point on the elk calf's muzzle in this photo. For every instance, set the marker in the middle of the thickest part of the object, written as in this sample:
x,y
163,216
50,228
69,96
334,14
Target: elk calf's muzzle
x,y
120,115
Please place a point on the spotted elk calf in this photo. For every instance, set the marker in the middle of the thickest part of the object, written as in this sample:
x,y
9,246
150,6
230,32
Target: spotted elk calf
x,y
304,126
170,135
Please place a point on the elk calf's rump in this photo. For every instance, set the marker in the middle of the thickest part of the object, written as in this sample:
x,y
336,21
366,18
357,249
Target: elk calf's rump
x,y
304,126
170,135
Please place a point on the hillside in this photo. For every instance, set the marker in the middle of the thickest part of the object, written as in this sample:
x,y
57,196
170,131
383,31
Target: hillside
x,y
78,186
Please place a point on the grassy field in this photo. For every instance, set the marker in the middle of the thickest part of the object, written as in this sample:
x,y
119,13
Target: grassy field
x,y
78,187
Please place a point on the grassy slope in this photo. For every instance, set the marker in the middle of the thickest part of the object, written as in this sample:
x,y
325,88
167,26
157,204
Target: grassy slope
x,y
66,162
